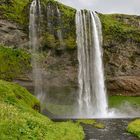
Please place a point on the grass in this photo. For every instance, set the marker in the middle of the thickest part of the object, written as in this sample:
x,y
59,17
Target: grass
x,y
10,62
16,95
134,128
19,120
116,101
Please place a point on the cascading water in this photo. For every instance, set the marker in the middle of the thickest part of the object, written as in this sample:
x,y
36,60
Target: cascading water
x,y
92,98
50,15
59,31
34,44
54,23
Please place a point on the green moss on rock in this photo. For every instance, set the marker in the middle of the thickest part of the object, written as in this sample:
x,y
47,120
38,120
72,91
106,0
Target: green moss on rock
x,y
134,128
117,28
13,62
18,120
15,10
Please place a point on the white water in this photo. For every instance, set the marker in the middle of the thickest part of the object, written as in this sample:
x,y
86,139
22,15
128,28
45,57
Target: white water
x,y
92,100
53,11
50,14
34,45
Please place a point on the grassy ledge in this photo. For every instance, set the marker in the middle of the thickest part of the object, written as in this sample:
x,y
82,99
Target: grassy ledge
x,y
116,101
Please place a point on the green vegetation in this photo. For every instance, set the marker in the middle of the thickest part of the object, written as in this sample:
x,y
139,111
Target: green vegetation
x,y
13,63
18,120
116,101
94,123
134,128
118,28
15,10
70,42
50,41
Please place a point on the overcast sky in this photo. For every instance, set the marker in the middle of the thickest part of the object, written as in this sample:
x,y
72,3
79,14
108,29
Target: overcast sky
x,y
107,6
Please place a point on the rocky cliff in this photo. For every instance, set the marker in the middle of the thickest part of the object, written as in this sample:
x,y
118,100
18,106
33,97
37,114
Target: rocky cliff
x,y
121,44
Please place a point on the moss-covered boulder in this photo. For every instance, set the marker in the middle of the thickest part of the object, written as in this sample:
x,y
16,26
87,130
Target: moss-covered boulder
x,y
134,128
19,120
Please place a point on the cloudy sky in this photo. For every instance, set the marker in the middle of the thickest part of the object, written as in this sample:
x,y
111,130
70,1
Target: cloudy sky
x,y
107,6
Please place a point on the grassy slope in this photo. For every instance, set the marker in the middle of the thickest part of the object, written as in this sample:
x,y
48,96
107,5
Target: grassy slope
x,y
10,62
134,128
19,120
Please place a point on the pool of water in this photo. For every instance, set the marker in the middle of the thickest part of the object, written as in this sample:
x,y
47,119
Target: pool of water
x,y
115,129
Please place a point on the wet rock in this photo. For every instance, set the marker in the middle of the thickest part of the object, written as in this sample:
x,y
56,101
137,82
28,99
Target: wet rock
x,y
37,107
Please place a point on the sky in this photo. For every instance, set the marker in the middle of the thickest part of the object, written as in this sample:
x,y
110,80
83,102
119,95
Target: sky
x,y
131,7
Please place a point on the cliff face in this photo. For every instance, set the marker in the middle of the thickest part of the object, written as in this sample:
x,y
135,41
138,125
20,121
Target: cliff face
x,y
121,45
12,34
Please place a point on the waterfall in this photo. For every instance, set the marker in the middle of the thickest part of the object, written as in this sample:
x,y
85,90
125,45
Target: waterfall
x,y
34,45
92,100
54,23
50,15
59,31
